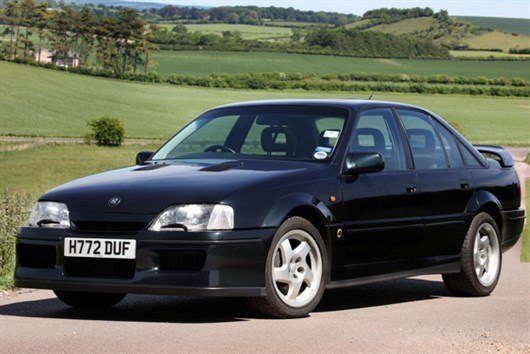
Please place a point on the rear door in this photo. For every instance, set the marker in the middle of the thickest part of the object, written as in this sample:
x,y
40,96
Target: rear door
x,y
445,183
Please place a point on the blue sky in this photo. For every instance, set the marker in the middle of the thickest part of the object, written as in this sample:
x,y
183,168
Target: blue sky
x,y
495,8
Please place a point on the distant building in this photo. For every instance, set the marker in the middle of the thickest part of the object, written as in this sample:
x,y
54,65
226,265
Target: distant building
x,y
67,60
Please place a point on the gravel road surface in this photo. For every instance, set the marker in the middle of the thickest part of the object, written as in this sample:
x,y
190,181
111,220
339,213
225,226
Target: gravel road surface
x,y
410,315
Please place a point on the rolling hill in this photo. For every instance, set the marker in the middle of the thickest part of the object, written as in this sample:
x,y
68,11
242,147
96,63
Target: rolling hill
x,y
458,33
512,25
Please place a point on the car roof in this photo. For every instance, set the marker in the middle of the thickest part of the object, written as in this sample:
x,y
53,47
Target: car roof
x,y
348,103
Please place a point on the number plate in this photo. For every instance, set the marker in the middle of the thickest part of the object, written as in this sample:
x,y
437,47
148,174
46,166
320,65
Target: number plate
x,y
99,248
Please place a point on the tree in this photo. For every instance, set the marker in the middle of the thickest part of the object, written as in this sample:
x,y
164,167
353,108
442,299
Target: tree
x,y
11,17
28,9
128,33
179,28
61,30
297,35
232,18
84,34
42,17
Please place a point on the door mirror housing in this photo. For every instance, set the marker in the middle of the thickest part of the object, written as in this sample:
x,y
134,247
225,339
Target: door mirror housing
x,y
363,162
143,156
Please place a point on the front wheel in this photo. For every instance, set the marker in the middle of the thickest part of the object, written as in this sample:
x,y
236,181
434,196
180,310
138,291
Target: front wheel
x,y
88,300
295,273
481,259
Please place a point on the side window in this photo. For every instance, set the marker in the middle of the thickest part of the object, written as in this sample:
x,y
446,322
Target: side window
x,y
469,158
449,143
376,131
424,142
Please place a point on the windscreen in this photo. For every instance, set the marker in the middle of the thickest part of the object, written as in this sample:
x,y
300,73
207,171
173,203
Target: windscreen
x,y
304,133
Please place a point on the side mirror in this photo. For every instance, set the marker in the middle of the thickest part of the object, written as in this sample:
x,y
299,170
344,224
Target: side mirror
x,y
143,156
363,162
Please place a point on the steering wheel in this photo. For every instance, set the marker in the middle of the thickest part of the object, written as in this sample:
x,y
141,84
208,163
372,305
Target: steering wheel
x,y
219,148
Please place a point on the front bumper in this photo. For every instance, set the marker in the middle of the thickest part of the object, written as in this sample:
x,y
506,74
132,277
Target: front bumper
x,y
233,263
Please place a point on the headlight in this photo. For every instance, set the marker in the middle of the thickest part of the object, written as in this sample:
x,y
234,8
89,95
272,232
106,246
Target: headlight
x,y
50,214
195,217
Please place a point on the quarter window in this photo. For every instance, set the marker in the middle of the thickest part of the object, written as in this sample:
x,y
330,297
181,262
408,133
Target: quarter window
x,y
449,143
424,142
469,158
376,131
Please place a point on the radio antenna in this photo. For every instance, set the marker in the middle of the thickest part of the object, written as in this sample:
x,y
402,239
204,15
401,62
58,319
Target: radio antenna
x,y
369,98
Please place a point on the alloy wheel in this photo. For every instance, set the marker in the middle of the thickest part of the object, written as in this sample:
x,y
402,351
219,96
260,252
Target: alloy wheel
x,y
486,254
297,268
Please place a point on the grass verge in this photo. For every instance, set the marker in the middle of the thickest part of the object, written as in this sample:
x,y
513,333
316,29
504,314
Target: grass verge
x,y
14,209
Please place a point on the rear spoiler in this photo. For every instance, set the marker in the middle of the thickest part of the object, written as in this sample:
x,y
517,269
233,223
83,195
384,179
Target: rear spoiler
x,y
499,153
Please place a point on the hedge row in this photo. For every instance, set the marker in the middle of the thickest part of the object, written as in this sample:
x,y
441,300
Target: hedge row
x,y
278,81
289,48
434,79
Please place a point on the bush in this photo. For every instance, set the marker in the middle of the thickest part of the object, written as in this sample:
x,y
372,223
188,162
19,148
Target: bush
x,y
14,211
107,131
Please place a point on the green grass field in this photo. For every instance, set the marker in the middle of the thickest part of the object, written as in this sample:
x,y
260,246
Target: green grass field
x,y
275,33
498,40
269,33
406,26
484,53
515,25
40,168
41,102
205,62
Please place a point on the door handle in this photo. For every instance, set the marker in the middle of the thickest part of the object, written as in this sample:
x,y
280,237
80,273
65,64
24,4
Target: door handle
x,y
411,189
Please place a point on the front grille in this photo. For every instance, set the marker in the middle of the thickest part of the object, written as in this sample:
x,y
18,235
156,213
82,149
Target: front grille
x,y
36,256
99,267
179,260
108,226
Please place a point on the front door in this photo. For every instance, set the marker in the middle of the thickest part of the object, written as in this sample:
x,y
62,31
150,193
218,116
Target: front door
x,y
381,210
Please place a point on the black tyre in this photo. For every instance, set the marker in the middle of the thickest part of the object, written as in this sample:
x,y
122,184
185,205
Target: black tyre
x,y
88,300
296,271
481,260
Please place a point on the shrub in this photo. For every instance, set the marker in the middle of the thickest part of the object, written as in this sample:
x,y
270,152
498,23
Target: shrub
x,y
107,131
14,211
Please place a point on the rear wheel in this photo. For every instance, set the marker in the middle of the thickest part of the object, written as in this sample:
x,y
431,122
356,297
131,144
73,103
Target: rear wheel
x,y
481,259
88,300
295,273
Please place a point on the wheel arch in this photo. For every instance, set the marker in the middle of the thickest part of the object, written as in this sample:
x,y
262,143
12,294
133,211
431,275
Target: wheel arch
x,y
484,201
303,205
302,202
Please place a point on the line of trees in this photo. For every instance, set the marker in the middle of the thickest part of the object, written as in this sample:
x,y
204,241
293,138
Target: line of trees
x,y
119,44
251,15
387,16
315,40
